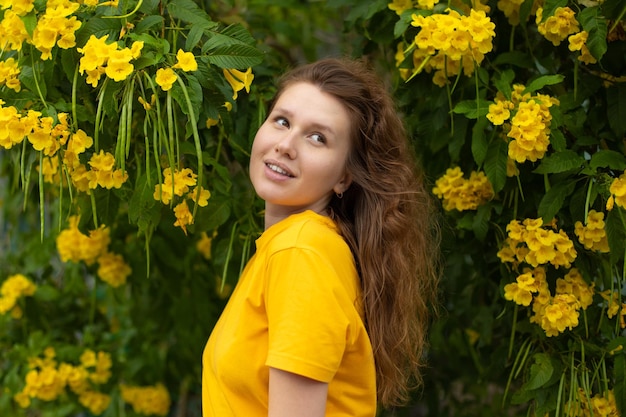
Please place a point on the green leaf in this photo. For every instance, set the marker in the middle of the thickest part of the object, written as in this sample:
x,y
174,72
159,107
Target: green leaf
x,y
98,27
517,58
560,162
46,293
619,387
542,81
553,200
30,22
188,11
595,24
540,372
479,141
557,140
616,108
615,233
27,78
495,163
550,7
480,226
608,159
472,109
235,56
148,23
504,81
143,209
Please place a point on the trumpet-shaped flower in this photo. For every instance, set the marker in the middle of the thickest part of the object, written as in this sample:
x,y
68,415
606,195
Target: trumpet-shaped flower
x,y
239,80
165,78
185,61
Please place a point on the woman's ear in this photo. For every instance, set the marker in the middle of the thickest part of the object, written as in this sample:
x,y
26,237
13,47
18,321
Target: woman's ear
x,y
343,184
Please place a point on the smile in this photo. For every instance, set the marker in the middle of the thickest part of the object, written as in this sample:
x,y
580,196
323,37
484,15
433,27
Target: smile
x,y
278,169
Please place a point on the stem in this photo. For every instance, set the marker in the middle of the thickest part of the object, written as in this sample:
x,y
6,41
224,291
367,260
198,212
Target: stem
x,y
228,255
41,196
74,85
196,138
43,100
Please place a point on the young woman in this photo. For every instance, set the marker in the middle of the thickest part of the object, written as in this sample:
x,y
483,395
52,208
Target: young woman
x,y
329,317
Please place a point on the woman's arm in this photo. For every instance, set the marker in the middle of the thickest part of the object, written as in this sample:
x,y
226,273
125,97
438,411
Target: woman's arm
x,y
292,395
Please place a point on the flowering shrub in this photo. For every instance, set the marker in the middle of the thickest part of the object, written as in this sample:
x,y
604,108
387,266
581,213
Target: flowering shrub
x,y
114,120
535,279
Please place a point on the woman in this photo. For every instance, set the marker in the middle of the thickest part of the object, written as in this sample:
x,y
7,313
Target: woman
x,y
330,314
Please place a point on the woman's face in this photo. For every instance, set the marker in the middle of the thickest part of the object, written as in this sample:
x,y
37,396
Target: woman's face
x,y
299,154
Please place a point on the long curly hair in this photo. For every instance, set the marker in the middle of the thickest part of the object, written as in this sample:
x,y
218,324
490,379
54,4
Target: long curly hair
x,y
387,218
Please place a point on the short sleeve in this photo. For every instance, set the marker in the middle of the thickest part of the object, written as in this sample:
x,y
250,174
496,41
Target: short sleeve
x,y
307,314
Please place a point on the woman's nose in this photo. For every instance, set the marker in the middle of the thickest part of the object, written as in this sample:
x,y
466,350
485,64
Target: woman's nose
x,y
286,145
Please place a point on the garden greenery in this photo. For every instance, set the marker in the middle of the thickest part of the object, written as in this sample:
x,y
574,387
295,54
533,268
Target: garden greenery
x,y
126,214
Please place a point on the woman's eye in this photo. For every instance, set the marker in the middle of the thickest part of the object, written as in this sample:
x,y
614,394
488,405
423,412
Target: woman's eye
x,y
281,121
318,138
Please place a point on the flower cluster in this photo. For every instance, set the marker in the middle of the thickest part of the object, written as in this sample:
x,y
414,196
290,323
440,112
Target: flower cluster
x,y
618,192
55,139
100,57
459,193
583,405
9,73
449,43
529,126
593,235
554,313
75,246
536,245
147,400
178,183
559,26
47,380
14,288
55,26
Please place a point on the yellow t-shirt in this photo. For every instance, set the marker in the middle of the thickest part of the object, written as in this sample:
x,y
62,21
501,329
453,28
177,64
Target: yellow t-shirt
x,y
296,308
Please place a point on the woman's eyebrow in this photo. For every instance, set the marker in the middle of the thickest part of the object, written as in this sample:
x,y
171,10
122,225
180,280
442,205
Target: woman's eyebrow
x,y
315,125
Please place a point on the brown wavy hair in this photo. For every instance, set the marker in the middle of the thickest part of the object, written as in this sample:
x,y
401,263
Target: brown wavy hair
x,y
387,217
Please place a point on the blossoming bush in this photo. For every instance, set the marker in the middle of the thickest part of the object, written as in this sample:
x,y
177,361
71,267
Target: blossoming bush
x,y
526,95
120,164
126,214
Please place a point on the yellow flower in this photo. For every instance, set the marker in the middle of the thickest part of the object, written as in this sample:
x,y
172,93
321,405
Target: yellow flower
x,y
618,191
186,61
79,142
462,194
400,6
498,112
96,402
183,216
118,66
239,80
112,269
166,77
135,49
202,201
147,400
13,31
95,53
9,73
204,245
